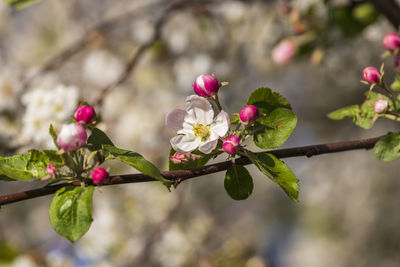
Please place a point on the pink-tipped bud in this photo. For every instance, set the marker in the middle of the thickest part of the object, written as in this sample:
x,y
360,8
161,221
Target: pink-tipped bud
x,y
206,86
231,144
371,75
380,106
284,52
391,41
178,158
72,136
99,174
51,170
249,114
84,114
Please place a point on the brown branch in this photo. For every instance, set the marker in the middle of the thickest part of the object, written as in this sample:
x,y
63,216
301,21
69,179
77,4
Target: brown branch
x,y
390,9
182,175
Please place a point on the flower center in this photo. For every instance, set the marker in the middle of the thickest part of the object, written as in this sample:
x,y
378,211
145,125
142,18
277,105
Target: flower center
x,y
202,131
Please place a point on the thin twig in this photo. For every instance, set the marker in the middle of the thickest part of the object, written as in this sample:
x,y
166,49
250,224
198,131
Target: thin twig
x,y
74,48
390,9
139,52
182,175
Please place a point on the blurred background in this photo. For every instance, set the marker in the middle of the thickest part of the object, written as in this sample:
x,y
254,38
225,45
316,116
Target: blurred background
x,y
56,53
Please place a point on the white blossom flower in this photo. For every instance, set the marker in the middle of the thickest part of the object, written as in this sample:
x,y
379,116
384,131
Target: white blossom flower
x,y
102,68
196,126
44,107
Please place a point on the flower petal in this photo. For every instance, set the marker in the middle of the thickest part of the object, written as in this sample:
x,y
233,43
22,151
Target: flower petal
x,y
221,123
199,110
206,148
185,143
175,118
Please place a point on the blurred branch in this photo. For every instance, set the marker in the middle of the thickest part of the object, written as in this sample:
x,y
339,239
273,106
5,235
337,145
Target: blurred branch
x,y
145,46
181,175
64,55
158,232
390,9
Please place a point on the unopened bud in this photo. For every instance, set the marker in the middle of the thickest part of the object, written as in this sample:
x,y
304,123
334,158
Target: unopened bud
x,y
231,144
249,114
284,52
178,158
99,174
371,75
72,136
380,106
206,86
51,170
391,41
84,114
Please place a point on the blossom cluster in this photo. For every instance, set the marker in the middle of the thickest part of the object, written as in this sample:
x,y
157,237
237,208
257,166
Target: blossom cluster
x,y
73,137
374,77
197,127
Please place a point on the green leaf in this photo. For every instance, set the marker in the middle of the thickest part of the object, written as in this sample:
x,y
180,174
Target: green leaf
x,y
97,139
395,86
18,4
53,135
71,211
238,182
365,13
54,158
267,100
364,115
274,129
346,112
235,120
388,148
26,167
277,171
137,161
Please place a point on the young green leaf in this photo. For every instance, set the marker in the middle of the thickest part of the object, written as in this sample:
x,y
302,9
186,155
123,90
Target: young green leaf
x,y
137,161
53,135
235,120
395,86
18,4
363,116
26,167
388,148
277,171
97,139
274,129
238,182
346,112
71,211
267,100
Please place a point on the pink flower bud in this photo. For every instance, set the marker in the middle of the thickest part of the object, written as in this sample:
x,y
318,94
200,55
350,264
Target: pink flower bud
x,y
380,106
206,86
99,174
51,169
84,114
72,136
231,144
371,75
284,52
178,158
249,114
391,41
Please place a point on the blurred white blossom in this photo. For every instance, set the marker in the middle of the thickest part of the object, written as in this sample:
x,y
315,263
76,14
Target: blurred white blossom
x,y
44,107
101,68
